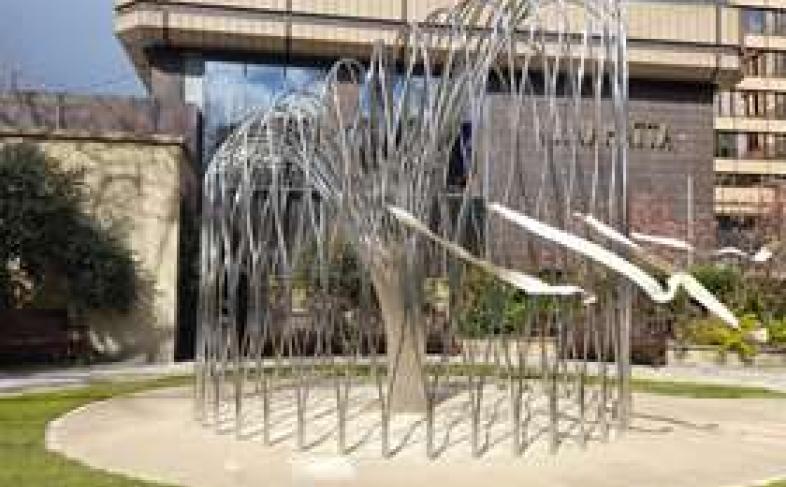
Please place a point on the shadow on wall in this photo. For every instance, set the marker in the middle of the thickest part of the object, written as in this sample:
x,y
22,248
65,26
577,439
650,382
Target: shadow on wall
x,y
135,153
132,336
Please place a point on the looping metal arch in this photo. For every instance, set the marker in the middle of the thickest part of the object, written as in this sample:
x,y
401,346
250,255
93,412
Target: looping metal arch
x,y
283,314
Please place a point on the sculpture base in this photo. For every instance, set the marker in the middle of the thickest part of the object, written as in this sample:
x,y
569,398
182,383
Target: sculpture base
x,y
677,442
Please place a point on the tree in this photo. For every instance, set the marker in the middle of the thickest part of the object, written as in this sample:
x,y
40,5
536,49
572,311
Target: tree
x,y
44,231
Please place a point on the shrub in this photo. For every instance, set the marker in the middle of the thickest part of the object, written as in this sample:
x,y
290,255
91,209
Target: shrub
x,y
43,230
757,298
714,332
776,332
721,280
489,307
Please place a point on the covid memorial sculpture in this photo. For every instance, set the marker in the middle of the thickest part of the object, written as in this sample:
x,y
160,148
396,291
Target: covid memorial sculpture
x,y
424,250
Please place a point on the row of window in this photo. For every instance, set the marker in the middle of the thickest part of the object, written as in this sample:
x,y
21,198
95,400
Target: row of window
x,y
741,179
750,145
764,64
753,104
767,22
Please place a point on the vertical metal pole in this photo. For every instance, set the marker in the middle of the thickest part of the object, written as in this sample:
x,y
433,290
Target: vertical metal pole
x,y
691,228
430,406
553,391
385,431
605,334
625,399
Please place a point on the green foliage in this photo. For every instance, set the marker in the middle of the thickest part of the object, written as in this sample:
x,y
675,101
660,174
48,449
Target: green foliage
x,y
760,295
776,331
346,271
703,391
758,299
44,230
721,280
490,307
339,268
714,332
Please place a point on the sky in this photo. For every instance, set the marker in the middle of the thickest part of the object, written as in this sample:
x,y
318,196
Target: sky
x,y
64,45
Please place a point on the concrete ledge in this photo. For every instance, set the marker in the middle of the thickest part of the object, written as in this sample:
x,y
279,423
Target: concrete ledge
x,y
698,355
82,135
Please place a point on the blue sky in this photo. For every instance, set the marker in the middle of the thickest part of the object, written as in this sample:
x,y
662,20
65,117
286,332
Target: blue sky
x,y
64,45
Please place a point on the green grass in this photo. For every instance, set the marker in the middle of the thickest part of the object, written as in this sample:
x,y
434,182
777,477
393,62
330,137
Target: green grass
x,y
24,460
704,391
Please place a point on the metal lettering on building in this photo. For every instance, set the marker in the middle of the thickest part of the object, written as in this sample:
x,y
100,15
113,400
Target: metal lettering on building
x,y
641,135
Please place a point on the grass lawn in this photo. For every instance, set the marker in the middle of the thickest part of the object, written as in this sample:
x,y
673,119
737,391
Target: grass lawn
x,y
24,461
704,391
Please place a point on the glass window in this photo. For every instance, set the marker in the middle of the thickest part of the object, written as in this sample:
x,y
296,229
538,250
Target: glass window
x,y
755,104
779,23
751,64
262,84
304,78
765,64
778,146
738,103
724,104
754,21
755,146
234,89
774,63
725,144
224,100
752,104
779,105
750,145
768,22
460,158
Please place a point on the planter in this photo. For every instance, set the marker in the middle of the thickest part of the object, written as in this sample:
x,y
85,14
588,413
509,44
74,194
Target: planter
x,y
698,355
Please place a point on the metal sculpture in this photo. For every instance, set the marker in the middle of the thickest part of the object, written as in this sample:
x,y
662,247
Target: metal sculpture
x,y
343,227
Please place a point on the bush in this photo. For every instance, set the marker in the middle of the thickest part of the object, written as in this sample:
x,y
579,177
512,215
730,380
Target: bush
x,y
776,332
741,293
721,280
714,332
757,298
43,230
489,307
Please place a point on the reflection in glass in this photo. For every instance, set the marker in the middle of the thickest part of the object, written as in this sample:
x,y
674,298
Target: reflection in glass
x,y
234,89
754,21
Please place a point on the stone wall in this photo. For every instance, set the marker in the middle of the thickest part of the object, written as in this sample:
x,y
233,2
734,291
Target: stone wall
x,y
136,177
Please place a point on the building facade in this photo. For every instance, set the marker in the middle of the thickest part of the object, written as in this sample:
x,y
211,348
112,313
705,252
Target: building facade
x,y
229,57
750,158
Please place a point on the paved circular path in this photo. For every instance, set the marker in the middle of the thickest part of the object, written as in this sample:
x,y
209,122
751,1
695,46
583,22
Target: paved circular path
x,y
674,442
